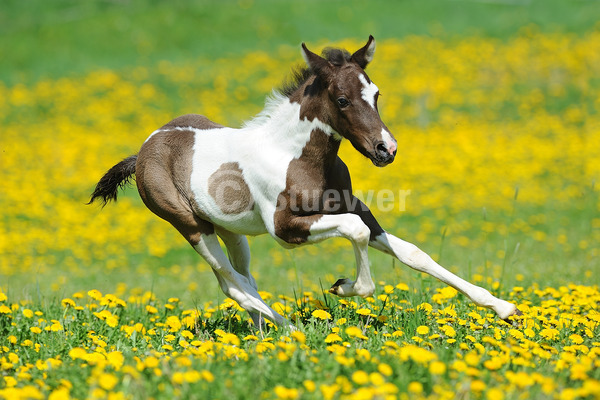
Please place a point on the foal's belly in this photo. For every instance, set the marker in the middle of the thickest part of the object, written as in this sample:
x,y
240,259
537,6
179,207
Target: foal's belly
x,y
244,224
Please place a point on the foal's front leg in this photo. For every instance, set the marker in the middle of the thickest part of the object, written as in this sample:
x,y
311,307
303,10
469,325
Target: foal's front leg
x,y
417,259
315,228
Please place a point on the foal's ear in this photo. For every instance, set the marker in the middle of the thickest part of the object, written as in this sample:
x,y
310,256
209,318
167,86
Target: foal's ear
x,y
364,55
317,64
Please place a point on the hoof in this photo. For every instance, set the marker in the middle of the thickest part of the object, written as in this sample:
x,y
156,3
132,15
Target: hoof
x,y
515,313
336,287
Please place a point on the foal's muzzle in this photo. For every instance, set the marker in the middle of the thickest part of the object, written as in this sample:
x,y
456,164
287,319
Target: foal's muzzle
x,y
384,154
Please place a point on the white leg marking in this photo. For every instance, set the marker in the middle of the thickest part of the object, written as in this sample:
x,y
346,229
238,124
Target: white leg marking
x,y
351,227
234,284
239,255
415,258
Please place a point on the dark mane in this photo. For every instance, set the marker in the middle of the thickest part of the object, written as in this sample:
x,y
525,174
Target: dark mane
x,y
301,73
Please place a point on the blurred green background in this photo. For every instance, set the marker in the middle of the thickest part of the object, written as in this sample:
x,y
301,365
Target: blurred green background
x,y
40,38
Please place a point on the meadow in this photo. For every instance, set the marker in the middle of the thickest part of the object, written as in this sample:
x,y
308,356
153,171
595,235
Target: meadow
x,y
498,136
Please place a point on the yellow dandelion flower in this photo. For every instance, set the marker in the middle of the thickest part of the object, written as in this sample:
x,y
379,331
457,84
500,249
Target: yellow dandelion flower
x,y
385,369
286,393
494,394
56,327
576,339
360,377
151,309
329,391
151,362
376,379
178,378
437,368
415,387
448,331
332,338
68,302
354,331
95,294
192,376
422,330
187,334
309,385
549,333
530,333
230,338
478,386
107,381
263,347
494,363
77,352
207,376
173,323
112,321
299,337
402,286
321,314
115,359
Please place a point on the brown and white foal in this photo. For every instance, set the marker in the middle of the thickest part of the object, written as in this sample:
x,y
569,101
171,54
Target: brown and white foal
x,y
279,174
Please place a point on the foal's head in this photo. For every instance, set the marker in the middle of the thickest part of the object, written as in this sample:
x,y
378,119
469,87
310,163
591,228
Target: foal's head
x,y
342,95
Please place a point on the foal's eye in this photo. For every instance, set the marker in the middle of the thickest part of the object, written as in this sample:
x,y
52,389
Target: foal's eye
x,y
343,102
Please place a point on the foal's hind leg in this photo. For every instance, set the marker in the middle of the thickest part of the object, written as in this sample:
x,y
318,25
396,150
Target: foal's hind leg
x,y
234,284
238,252
162,197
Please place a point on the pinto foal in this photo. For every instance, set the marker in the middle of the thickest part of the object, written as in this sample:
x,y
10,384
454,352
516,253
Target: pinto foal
x,y
279,174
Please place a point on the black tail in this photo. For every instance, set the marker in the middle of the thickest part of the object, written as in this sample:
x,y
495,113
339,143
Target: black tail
x,y
116,178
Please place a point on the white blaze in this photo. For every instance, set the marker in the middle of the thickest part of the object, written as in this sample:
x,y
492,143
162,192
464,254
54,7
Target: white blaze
x,y
368,91
389,141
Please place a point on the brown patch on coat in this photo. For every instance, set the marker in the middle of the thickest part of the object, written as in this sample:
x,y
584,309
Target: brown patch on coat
x,y
163,172
229,190
317,183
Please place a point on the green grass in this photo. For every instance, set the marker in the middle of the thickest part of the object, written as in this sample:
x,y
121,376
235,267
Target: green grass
x,y
393,344
66,37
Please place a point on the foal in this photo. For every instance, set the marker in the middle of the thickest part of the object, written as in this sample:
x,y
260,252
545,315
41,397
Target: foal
x,y
279,174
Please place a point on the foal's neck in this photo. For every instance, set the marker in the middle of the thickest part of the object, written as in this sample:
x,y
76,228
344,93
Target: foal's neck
x,y
320,151
303,133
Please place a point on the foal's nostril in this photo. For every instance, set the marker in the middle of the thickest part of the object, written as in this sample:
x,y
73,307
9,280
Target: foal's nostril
x,y
381,149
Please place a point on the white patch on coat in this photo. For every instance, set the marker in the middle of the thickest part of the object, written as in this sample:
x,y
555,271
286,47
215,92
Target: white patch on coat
x,y
263,148
368,91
